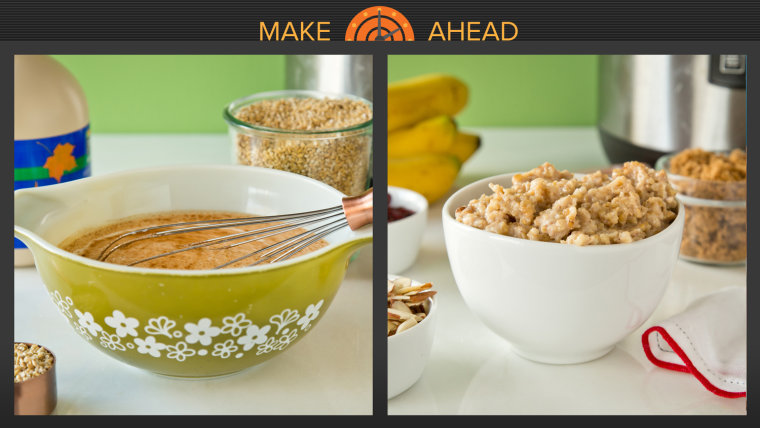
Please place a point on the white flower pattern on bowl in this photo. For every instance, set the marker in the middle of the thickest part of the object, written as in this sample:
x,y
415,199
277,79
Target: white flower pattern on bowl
x,y
202,332
224,350
62,303
180,351
312,312
83,331
161,325
202,338
111,341
254,336
235,325
149,346
86,321
286,317
124,325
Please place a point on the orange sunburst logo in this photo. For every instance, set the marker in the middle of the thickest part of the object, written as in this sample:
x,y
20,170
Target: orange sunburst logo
x,y
379,23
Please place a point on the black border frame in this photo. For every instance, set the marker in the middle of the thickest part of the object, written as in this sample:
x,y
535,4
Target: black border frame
x,y
380,61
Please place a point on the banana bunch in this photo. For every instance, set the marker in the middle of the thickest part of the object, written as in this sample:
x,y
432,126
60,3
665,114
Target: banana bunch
x,y
425,148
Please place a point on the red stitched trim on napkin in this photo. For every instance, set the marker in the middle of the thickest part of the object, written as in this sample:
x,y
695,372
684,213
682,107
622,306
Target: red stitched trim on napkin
x,y
688,367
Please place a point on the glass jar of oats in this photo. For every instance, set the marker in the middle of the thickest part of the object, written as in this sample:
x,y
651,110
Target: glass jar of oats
x,y
712,187
327,137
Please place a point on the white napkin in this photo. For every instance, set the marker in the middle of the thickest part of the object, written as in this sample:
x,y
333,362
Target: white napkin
x,y
708,340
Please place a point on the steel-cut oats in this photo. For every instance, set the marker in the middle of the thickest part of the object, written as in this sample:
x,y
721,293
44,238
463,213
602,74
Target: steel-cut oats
x,y
30,361
407,304
545,204
340,159
705,165
712,233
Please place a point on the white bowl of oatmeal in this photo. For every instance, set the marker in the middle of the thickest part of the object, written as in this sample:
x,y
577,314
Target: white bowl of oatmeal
x,y
570,297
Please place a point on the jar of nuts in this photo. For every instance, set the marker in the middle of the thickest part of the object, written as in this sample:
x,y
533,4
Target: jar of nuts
x,y
712,187
324,136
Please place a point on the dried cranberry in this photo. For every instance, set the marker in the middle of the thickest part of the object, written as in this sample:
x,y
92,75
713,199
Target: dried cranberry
x,y
397,213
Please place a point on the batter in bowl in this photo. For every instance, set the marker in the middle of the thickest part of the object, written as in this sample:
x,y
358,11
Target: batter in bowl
x,y
90,243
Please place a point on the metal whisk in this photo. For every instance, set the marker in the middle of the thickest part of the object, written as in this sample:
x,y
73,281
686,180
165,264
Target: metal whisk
x,y
354,212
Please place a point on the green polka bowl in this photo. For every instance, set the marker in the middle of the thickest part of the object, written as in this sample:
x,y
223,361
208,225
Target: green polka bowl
x,y
184,323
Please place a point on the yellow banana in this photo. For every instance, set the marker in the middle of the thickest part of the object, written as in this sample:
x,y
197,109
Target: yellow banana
x,y
422,97
430,174
464,145
434,135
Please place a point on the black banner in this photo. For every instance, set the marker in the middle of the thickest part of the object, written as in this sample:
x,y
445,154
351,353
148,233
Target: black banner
x,y
238,20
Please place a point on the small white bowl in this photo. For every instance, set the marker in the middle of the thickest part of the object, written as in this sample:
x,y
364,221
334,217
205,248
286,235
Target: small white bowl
x,y
557,303
408,351
405,235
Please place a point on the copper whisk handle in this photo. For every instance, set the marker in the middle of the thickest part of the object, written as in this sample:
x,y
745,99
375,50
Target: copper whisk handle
x,y
358,209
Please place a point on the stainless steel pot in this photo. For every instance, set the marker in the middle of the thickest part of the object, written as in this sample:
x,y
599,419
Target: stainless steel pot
x,y
651,105
342,74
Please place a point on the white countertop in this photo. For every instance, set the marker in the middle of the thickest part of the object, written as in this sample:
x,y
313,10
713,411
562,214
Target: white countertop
x,y
328,372
473,371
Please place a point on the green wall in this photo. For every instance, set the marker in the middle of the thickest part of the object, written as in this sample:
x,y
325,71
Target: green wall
x,y
169,93
515,90
187,93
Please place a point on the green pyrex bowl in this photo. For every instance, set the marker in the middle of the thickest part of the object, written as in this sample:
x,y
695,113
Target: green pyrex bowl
x,y
184,323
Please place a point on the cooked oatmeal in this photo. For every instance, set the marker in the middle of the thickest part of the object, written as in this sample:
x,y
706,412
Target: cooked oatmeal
x,y
633,202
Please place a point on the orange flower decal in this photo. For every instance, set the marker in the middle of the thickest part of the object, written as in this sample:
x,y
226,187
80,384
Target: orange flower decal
x,y
61,161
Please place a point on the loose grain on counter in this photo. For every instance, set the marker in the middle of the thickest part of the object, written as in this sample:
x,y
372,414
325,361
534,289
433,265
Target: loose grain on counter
x,y
340,159
545,204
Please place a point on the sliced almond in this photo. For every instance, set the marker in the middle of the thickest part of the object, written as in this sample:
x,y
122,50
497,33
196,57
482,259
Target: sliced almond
x,y
401,307
414,288
421,297
406,325
401,315
407,304
426,306
392,326
400,283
